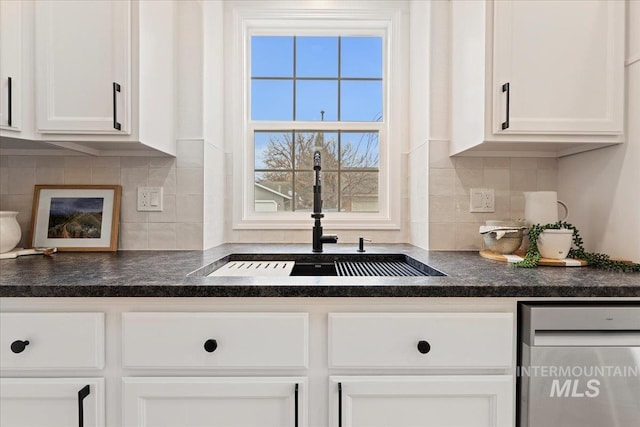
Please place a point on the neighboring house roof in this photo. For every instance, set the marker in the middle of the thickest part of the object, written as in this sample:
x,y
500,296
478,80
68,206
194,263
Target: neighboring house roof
x,y
271,190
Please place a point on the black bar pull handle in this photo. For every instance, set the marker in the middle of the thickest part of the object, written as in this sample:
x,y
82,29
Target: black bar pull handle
x,y
82,394
9,121
295,422
506,88
18,346
116,88
339,404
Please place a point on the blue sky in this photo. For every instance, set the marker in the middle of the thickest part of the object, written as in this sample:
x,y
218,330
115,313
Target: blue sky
x,y
316,57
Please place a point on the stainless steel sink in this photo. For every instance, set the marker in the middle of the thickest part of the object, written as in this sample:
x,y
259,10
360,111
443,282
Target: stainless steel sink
x,y
364,265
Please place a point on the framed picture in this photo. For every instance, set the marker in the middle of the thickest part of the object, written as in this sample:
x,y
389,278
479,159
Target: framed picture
x,y
76,217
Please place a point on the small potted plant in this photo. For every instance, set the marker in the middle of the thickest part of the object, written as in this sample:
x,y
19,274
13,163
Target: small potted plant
x,y
600,261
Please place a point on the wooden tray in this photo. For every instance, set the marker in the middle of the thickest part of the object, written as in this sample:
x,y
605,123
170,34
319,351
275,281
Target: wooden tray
x,y
519,256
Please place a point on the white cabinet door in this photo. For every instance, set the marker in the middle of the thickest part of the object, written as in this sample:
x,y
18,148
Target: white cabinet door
x,y
52,402
563,62
424,401
218,402
11,65
83,66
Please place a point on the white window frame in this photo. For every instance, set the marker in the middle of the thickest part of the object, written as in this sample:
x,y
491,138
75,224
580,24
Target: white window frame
x,y
388,19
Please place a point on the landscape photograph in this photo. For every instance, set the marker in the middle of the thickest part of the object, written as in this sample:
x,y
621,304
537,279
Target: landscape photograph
x,y
75,218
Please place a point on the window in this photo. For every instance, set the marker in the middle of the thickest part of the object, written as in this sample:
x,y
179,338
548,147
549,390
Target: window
x,y
307,78
315,81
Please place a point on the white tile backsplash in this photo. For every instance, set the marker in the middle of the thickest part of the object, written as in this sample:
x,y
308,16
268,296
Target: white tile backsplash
x,y
465,179
77,162
4,180
451,225
189,235
50,162
49,175
163,177
105,176
131,178
138,230
168,214
106,162
21,180
189,207
134,235
190,181
21,162
162,235
77,176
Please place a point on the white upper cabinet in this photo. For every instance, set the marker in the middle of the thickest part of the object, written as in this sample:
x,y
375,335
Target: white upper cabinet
x,y
533,78
16,69
10,65
563,63
105,80
83,62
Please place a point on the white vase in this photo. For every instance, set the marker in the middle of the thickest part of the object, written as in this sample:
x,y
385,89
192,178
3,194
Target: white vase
x,y
9,231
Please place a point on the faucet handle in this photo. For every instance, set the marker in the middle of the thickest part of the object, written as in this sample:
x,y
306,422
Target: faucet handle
x,y
361,241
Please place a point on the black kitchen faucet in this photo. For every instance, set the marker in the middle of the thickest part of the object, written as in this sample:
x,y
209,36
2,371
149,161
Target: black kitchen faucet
x,y
318,237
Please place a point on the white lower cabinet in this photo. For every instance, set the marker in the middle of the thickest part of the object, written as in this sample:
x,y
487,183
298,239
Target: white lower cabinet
x,y
421,401
215,362
52,402
219,402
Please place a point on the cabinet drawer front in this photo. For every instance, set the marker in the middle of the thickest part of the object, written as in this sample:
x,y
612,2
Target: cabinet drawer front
x,y
215,340
414,340
55,341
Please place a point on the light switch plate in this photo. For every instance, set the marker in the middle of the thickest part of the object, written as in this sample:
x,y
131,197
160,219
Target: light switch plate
x,y
150,199
482,200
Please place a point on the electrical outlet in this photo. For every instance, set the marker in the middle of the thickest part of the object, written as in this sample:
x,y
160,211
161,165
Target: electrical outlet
x,y
482,200
150,199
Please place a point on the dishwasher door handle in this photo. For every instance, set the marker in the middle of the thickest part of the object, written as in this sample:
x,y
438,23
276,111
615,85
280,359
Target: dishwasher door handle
x,y
587,338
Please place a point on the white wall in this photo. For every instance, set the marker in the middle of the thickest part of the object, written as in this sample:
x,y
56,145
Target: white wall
x,y
602,187
212,105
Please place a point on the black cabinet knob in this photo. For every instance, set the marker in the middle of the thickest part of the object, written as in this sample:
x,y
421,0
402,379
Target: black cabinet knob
x,y
19,346
210,346
424,347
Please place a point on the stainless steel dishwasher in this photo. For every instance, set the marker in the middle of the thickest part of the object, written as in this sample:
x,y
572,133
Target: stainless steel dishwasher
x,y
579,365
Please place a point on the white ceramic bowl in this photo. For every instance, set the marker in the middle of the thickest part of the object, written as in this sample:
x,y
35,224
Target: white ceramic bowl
x,y
10,232
555,244
508,244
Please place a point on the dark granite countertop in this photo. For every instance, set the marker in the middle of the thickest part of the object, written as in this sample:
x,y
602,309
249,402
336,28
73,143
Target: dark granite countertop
x,y
164,274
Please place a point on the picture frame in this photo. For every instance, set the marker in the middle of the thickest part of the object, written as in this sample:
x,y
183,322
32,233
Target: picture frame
x,y
76,217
